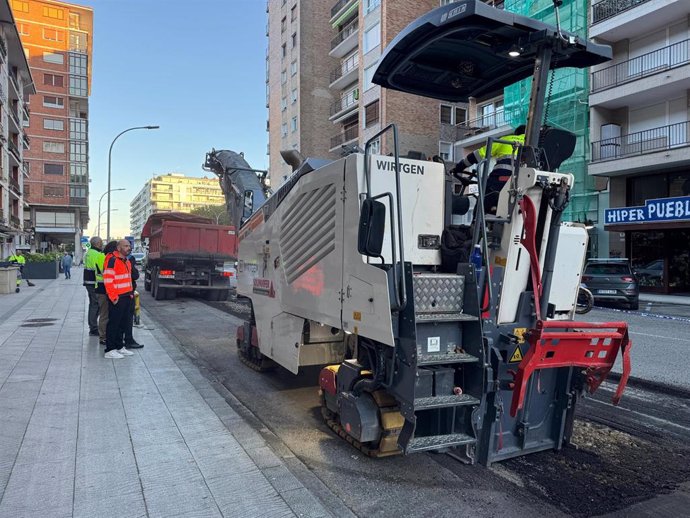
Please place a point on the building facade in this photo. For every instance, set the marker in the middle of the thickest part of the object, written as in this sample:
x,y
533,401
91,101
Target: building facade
x,y
640,132
58,44
172,192
16,84
320,61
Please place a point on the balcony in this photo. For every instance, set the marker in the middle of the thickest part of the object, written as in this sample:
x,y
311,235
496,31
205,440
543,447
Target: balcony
x,y
14,221
641,150
14,184
346,40
478,130
615,20
345,73
646,65
14,91
3,49
14,151
347,136
343,106
79,202
340,8
607,8
12,112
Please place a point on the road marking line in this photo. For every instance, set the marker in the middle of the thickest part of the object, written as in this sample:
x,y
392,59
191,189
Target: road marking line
x,y
659,336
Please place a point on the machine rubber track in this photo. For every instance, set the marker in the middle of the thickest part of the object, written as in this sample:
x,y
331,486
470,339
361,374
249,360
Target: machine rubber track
x,y
259,365
333,423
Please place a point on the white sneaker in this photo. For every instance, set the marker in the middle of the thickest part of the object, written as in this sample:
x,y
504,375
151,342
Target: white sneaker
x,y
114,355
125,352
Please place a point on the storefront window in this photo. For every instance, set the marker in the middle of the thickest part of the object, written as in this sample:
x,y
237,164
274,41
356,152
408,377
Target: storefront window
x,y
647,257
678,260
645,188
679,184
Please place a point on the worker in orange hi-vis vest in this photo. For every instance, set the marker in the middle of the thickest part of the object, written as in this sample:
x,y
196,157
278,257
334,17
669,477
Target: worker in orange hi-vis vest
x,y
117,278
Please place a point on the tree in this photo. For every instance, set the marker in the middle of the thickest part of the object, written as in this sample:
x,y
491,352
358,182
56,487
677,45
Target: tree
x,y
217,213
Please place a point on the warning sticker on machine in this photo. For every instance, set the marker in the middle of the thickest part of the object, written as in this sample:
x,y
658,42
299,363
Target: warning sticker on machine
x,y
517,355
433,344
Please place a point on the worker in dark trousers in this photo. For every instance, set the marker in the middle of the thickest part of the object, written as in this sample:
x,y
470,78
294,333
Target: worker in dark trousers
x,y
93,261
502,170
117,277
129,340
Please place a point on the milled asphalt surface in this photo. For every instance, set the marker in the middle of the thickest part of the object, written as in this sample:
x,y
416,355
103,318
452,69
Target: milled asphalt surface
x,y
147,435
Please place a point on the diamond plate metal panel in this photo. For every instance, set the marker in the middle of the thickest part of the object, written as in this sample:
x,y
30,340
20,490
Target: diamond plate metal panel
x,y
438,293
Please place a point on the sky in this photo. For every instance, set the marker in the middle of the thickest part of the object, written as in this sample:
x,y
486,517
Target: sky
x,y
195,68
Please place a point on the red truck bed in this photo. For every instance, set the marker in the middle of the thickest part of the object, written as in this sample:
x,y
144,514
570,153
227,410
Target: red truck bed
x,y
182,236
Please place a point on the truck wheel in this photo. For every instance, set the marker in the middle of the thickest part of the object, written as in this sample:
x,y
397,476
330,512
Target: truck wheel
x,y
147,282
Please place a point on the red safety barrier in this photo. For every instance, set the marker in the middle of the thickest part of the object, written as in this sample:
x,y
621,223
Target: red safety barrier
x,y
593,346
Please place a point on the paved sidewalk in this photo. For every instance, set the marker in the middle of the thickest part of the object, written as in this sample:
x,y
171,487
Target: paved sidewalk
x,y
147,435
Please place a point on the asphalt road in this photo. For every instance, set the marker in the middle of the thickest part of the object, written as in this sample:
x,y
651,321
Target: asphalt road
x,y
624,461
661,342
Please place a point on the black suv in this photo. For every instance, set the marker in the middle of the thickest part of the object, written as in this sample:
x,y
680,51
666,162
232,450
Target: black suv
x,y
612,280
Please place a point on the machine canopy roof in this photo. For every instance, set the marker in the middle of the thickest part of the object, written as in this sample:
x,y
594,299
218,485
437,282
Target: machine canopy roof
x,y
461,50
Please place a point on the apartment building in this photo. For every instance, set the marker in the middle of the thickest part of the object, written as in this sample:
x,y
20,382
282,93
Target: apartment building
x,y
16,85
58,44
172,192
320,61
640,133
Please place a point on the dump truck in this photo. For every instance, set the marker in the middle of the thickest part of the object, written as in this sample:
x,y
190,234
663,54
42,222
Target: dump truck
x,y
187,252
347,264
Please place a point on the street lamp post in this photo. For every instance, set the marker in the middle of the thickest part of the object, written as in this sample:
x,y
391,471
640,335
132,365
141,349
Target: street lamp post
x,y
101,213
110,156
99,207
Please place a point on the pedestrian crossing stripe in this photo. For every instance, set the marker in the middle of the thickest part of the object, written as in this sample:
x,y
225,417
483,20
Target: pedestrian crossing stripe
x,y
517,355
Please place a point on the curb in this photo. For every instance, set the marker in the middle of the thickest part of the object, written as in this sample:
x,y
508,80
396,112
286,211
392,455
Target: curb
x,y
653,386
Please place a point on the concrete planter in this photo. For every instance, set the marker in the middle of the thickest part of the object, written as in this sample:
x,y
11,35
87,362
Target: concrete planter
x,y
41,270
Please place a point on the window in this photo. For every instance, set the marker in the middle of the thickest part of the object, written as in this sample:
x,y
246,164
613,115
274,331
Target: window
x,y
375,147
78,64
370,5
283,103
53,147
53,191
78,41
283,24
53,124
78,86
283,50
371,114
20,6
74,20
78,173
491,114
293,39
283,129
372,38
77,129
23,29
293,96
452,114
445,150
293,124
54,57
54,12
52,80
50,101
77,192
53,34
53,169
446,114
283,77
293,13
77,152
293,68
368,76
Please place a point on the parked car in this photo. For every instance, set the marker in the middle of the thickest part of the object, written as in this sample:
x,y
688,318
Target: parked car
x,y
612,280
651,274
139,257
229,270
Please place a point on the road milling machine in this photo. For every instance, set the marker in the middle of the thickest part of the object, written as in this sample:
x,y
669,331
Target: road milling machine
x,y
346,265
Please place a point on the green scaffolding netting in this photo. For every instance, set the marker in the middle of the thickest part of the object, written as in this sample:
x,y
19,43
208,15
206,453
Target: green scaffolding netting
x,y
567,103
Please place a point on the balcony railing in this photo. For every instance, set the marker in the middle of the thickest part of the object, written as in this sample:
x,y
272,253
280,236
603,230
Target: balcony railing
x,y
349,134
642,142
344,102
346,66
13,148
484,123
338,6
347,31
14,184
14,220
608,8
13,115
645,65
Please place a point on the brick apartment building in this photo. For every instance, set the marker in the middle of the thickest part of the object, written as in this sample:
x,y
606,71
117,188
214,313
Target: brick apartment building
x,y
319,63
57,41
16,85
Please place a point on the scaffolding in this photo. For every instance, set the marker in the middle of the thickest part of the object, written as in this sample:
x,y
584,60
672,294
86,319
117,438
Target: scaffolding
x,y
567,102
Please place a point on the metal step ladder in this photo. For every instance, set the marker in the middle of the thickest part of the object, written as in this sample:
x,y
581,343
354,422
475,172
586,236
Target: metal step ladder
x,y
442,408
